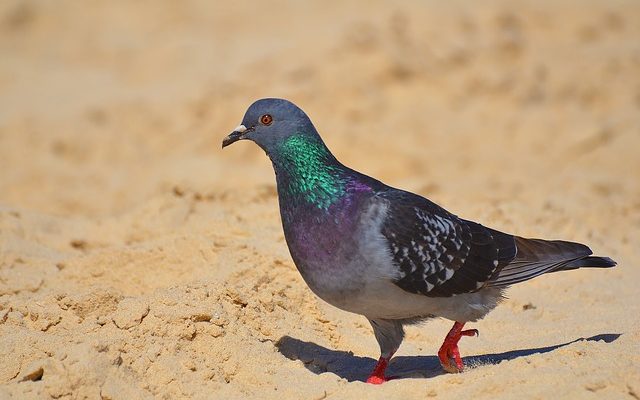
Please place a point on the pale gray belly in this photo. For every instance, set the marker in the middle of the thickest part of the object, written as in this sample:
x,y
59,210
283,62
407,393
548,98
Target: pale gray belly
x,y
377,297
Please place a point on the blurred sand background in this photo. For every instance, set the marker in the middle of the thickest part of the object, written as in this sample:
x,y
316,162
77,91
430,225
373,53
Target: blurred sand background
x,y
138,260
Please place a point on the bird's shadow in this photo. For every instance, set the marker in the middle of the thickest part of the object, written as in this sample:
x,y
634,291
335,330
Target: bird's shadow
x,y
318,359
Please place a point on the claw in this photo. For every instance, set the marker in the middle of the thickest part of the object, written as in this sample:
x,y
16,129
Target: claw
x,y
470,332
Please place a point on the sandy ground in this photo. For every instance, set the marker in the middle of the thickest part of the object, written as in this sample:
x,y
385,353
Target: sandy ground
x,y
138,260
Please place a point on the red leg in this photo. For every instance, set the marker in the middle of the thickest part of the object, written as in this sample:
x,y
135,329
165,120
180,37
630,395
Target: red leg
x,y
377,375
449,349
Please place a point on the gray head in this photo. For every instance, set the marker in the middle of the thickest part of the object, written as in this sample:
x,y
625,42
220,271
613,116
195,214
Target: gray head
x,y
269,122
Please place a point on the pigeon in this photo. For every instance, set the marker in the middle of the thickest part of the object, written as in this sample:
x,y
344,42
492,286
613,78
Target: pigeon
x,y
388,254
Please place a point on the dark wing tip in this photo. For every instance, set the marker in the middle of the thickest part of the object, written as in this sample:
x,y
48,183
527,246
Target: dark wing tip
x,y
593,262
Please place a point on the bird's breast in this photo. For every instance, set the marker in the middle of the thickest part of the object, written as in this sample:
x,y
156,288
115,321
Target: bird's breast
x,y
339,254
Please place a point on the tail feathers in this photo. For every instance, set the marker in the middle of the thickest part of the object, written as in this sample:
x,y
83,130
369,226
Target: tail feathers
x,y
590,262
535,257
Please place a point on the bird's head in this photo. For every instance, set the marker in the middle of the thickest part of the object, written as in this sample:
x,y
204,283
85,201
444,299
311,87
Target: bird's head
x,y
269,123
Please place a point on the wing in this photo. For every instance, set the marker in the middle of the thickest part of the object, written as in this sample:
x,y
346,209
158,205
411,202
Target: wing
x,y
439,254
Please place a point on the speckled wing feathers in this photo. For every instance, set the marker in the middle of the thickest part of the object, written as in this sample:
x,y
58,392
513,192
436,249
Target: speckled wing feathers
x,y
439,254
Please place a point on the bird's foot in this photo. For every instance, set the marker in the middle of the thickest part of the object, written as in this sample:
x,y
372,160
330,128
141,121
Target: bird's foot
x,y
449,354
377,380
377,375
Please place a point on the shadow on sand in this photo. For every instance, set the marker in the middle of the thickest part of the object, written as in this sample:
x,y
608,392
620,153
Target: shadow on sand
x,y
318,359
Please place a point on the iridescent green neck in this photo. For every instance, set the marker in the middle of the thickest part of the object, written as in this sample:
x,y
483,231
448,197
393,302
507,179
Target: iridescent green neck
x,y
307,169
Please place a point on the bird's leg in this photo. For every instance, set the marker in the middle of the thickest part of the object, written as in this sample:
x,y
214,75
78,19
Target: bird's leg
x,y
377,375
449,349
389,334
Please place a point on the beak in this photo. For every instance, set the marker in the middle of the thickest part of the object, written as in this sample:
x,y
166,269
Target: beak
x,y
237,134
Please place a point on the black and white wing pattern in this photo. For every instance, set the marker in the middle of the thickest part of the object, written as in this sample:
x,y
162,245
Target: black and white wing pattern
x,y
439,254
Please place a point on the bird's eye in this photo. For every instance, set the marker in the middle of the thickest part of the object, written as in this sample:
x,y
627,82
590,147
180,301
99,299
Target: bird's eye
x,y
266,119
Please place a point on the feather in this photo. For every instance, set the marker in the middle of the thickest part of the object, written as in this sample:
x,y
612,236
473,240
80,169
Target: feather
x,y
437,253
536,257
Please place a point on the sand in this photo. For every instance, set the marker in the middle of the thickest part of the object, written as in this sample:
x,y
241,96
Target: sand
x,y
140,261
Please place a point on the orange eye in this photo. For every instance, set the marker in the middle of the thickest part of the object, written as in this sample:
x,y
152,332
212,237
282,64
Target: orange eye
x,y
266,119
